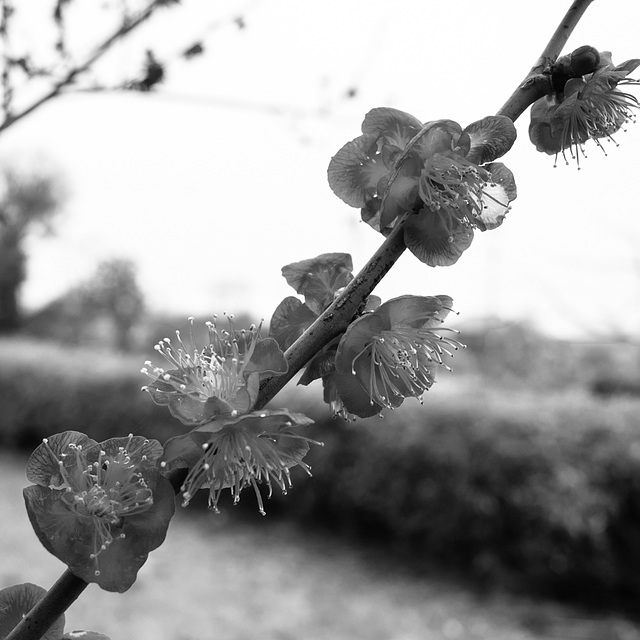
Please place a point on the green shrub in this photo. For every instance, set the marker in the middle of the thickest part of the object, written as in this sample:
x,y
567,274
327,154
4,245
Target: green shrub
x,y
531,490
535,492
45,389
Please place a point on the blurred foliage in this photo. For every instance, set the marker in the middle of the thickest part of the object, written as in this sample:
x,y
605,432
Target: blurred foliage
x,y
515,354
533,491
528,485
47,388
28,201
103,310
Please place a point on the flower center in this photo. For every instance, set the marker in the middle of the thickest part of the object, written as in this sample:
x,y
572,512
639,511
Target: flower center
x,y
237,458
215,371
454,185
401,363
102,492
594,116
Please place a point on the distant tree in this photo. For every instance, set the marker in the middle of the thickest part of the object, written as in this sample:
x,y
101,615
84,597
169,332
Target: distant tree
x,y
113,294
28,203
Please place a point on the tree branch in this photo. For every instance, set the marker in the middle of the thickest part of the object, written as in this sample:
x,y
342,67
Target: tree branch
x,y
537,83
56,601
126,28
339,315
335,319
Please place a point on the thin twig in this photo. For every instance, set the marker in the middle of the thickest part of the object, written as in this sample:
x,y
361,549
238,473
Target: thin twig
x,y
537,83
337,317
68,79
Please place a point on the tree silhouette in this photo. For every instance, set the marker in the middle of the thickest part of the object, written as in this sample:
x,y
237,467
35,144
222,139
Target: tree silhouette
x,y
113,294
28,203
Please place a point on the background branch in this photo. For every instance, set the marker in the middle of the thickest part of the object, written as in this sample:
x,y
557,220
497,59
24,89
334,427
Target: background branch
x,y
126,28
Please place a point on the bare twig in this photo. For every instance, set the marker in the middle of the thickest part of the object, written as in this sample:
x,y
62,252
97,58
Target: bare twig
x,y
128,26
56,601
538,81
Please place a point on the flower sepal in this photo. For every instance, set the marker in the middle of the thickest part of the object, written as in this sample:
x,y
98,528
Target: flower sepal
x,y
433,176
587,107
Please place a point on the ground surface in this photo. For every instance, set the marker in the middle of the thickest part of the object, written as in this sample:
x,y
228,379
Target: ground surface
x,y
214,579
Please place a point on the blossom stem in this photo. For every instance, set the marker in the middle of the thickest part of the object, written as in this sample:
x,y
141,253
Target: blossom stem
x,y
537,82
337,317
56,601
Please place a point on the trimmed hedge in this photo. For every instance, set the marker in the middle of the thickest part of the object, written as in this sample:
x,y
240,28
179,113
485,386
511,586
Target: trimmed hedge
x,y
531,490
541,493
45,389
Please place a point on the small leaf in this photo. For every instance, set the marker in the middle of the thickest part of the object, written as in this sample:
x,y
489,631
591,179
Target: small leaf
x,y
267,357
319,278
289,321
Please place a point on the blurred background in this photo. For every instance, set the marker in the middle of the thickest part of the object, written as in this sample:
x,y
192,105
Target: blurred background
x,y
160,160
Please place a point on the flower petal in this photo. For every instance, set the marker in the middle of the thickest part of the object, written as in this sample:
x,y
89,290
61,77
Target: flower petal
x,y
415,311
497,196
72,539
319,278
143,452
354,396
436,238
439,136
401,197
389,121
541,134
43,467
628,66
357,336
267,357
350,172
491,138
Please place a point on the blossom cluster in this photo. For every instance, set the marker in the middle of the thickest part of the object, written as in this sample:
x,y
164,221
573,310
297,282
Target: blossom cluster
x,y
390,352
438,179
99,507
214,390
585,106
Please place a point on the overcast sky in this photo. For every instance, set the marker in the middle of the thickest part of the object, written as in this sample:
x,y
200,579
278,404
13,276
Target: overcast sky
x,y
218,179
